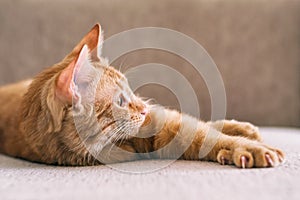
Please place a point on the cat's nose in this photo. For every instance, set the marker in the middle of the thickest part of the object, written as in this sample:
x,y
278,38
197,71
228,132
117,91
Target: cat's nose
x,y
144,111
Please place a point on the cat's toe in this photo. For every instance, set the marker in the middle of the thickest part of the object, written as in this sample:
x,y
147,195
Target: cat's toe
x,y
280,154
243,129
224,157
269,160
251,132
243,159
266,157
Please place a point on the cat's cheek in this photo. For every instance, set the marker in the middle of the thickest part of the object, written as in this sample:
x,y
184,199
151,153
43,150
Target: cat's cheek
x,y
146,121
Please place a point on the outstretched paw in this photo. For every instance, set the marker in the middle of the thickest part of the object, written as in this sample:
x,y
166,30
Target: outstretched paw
x,y
243,129
250,155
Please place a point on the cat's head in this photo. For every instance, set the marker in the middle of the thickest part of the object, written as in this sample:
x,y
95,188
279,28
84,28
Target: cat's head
x,y
101,100
80,96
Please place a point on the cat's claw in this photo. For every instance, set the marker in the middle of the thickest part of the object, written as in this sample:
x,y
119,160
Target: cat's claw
x,y
280,156
281,159
223,161
269,160
243,162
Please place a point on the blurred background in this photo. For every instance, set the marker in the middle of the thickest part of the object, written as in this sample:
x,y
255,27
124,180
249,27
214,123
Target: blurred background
x,y
255,44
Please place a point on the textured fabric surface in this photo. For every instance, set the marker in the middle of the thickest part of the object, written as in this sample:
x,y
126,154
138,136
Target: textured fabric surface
x,y
255,44
22,180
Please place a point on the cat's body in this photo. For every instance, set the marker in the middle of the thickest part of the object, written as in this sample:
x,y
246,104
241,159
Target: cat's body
x,y
45,120
10,101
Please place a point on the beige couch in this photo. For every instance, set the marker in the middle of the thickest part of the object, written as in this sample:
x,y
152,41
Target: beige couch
x,y
255,44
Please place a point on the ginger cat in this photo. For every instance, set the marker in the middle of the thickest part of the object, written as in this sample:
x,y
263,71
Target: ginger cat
x,y
37,120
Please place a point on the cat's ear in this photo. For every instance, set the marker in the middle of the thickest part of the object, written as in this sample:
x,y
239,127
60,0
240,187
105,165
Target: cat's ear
x,y
66,84
94,41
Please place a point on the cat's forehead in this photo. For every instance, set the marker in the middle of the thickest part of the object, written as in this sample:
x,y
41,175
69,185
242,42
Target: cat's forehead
x,y
121,86
113,73
115,77
109,71
113,81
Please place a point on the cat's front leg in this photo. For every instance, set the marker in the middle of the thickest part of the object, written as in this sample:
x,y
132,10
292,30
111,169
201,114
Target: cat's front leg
x,y
197,140
237,128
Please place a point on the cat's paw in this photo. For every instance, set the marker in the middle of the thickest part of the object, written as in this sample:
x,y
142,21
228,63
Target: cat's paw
x,y
244,129
251,155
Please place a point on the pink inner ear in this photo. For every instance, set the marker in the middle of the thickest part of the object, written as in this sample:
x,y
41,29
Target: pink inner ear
x,y
65,83
63,91
83,57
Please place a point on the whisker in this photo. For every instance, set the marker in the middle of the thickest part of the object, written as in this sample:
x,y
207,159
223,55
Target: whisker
x,y
114,131
120,136
112,138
